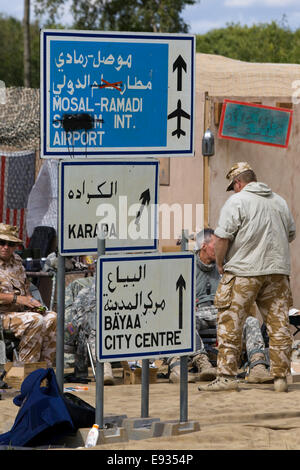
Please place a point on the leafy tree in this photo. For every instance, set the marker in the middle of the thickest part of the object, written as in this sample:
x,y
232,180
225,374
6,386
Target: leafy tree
x,y
11,51
265,42
121,15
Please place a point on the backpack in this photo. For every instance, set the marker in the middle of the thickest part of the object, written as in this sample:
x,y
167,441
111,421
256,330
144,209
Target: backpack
x,y
43,416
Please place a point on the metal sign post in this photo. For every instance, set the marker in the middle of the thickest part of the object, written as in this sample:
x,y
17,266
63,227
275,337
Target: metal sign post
x,y
183,389
113,95
60,328
145,389
184,359
100,365
145,309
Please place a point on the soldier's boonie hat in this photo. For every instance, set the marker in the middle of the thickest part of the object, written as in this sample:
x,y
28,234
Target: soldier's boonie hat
x,y
235,171
9,233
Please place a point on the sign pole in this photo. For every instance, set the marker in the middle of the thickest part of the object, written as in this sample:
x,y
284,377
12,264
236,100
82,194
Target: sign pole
x,y
184,360
60,321
145,388
206,169
100,365
183,389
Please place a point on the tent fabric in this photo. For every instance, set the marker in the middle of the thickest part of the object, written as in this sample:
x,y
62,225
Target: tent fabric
x,y
42,201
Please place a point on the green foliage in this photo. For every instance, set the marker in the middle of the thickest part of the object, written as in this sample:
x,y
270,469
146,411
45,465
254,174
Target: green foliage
x,y
145,15
265,42
11,51
120,15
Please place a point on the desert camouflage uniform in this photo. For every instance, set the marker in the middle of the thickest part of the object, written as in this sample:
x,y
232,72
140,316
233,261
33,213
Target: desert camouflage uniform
x,y
206,317
234,297
37,333
3,359
80,322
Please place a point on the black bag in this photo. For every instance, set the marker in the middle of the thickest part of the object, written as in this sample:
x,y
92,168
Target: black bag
x,y
82,413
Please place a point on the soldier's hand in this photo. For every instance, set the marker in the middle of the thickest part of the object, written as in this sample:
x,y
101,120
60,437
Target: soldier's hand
x,y
220,269
28,301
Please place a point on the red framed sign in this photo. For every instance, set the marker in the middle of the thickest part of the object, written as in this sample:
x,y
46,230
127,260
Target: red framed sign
x,y
255,123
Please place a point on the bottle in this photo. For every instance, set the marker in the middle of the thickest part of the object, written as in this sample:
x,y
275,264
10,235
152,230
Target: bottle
x,y
29,264
92,436
42,262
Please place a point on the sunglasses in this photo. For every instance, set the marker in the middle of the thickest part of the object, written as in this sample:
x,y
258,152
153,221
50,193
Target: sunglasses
x,y
5,242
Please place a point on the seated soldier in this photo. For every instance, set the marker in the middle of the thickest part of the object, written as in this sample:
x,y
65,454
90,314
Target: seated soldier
x,y
80,328
207,279
20,312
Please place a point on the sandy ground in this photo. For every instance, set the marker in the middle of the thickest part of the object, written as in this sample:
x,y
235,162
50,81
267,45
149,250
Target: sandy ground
x,y
255,418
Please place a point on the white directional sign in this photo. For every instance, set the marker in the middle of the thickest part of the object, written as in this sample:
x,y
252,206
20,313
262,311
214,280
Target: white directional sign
x,y
145,306
116,94
119,198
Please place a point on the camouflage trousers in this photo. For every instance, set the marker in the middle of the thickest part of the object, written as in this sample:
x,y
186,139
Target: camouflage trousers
x,y
234,298
206,317
252,337
37,334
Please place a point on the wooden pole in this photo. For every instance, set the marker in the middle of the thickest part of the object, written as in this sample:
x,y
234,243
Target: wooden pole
x,y
206,173
26,33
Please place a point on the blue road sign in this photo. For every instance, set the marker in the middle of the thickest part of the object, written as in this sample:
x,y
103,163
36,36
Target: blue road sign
x,y
116,94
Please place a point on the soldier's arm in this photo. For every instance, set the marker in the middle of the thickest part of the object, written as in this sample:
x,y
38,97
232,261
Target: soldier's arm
x,y
221,248
6,298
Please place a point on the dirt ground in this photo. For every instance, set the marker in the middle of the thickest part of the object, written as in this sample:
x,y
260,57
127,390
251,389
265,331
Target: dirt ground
x,y
254,418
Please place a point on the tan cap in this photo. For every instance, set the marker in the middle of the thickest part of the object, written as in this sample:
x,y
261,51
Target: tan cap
x,y
9,233
236,170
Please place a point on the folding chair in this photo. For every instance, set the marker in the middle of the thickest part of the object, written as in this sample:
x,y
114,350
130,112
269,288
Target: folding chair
x,y
295,321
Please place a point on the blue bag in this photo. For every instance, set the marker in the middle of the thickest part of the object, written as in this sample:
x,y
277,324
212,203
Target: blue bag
x,y
43,414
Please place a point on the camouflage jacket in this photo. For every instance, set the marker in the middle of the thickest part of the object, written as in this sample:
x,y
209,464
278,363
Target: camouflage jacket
x,y
13,280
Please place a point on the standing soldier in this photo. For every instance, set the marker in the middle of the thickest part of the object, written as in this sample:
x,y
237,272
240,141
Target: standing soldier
x,y
253,234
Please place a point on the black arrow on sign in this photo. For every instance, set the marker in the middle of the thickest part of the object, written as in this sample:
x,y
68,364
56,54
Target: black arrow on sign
x,y
145,199
179,64
180,284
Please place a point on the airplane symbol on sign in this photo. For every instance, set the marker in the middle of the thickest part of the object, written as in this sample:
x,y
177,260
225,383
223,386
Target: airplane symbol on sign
x,y
179,113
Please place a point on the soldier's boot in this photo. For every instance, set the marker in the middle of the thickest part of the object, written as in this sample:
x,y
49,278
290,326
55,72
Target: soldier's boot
x,y
174,372
258,370
280,384
108,374
222,383
206,370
